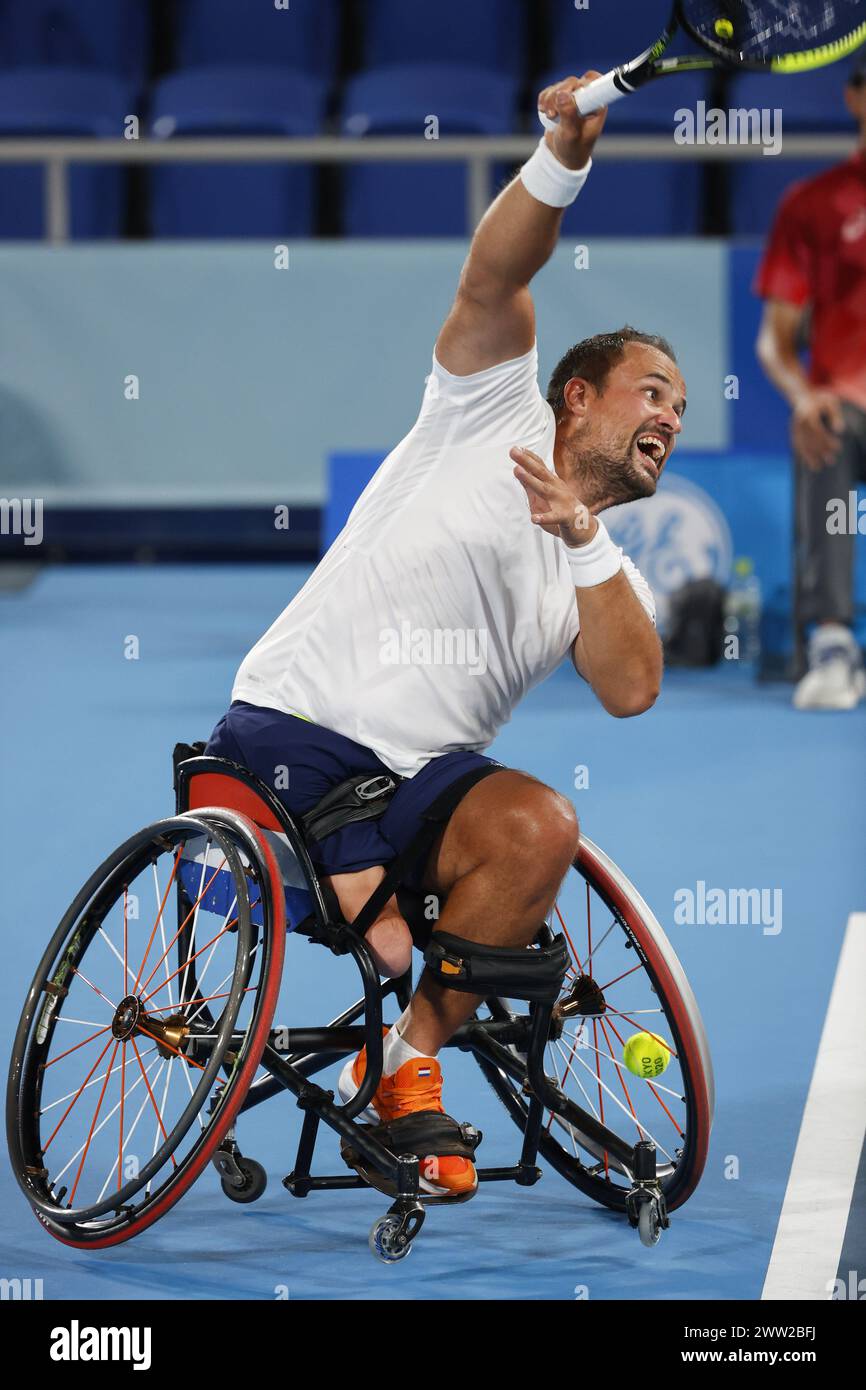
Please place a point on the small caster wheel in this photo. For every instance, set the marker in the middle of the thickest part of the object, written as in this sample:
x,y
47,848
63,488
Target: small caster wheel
x,y
387,1240
649,1223
255,1180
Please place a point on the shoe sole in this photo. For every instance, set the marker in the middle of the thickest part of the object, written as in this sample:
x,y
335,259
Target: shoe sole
x,y
844,702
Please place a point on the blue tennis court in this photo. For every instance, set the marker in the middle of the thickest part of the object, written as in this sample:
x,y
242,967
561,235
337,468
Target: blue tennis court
x,y
379,363
721,784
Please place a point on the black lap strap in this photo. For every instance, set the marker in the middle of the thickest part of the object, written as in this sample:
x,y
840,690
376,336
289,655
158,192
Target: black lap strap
x,y
359,798
434,817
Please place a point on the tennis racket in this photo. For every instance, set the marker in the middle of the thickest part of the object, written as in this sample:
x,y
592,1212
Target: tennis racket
x,y
757,35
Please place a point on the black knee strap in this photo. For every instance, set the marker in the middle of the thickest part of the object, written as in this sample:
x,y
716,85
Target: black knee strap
x,y
526,972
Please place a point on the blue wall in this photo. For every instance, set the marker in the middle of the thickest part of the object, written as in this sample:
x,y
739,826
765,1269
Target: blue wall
x,y
251,376
760,420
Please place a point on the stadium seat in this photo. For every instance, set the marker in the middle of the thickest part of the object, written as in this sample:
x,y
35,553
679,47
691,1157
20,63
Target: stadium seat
x,y
235,200
757,187
411,199
654,197
213,32
638,199
601,35
811,101
486,34
109,35
62,101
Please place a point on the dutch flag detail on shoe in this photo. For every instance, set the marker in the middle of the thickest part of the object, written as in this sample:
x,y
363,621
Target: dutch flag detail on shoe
x,y
416,1086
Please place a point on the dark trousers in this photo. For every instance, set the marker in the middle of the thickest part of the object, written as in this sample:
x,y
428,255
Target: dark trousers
x,y
825,561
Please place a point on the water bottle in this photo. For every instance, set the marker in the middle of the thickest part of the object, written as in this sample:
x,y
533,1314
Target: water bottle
x,y
743,610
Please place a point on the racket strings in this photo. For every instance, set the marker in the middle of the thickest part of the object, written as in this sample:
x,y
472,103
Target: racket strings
x,y
766,29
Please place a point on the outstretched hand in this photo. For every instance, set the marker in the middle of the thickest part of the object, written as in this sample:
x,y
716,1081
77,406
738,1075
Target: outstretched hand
x,y
574,138
553,503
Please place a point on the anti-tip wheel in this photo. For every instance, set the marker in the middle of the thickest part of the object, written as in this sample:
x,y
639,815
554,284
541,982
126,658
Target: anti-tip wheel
x,y
387,1242
649,1224
254,1183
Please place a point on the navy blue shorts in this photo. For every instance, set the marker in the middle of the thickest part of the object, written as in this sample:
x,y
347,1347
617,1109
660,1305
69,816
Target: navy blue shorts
x,y
282,748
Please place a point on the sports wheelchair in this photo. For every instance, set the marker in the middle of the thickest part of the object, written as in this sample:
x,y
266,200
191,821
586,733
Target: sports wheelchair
x,y
148,1032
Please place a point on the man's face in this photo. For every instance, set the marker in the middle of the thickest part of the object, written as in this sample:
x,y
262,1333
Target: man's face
x,y
622,439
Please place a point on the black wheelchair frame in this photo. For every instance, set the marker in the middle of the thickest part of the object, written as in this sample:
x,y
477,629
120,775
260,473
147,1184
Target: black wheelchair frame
x,y
311,1050
231,1058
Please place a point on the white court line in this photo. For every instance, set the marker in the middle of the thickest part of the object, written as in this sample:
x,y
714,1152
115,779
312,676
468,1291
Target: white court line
x,y
815,1211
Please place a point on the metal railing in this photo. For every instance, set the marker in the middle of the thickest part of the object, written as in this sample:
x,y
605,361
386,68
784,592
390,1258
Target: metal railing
x,y
479,154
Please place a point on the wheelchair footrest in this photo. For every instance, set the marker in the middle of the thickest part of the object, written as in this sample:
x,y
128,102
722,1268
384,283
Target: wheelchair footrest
x,y
427,1133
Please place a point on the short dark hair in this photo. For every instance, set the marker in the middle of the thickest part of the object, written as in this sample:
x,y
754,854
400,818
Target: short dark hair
x,y
594,358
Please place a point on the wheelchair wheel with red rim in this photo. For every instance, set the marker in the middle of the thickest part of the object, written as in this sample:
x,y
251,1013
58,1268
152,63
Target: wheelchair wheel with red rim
x,y
624,979
144,1026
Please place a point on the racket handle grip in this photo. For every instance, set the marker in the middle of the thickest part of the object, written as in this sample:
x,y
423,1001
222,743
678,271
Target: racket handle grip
x,y
596,94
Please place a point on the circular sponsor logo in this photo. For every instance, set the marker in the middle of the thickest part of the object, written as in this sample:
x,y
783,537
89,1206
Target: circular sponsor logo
x,y
677,535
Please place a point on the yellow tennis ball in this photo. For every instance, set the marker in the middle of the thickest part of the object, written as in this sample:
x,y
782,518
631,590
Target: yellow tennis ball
x,y
646,1056
724,29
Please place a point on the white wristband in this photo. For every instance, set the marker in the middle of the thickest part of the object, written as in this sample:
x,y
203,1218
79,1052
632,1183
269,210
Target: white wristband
x,y
549,181
595,562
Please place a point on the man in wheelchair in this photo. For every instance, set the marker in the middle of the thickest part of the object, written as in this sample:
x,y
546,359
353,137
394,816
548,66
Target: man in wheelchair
x,y
442,602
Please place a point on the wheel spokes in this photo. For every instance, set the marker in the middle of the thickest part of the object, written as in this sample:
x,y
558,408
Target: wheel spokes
x,y
626,1000
128,1059
78,1093
177,857
217,870
151,1095
92,1126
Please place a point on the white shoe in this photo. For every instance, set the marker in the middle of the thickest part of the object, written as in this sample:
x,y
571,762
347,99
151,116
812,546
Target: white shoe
x,y
835,679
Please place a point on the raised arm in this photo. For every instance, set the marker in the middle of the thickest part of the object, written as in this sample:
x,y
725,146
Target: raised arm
x,y
493,319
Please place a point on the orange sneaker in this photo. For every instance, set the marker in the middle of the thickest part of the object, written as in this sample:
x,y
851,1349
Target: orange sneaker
x,y
412,1089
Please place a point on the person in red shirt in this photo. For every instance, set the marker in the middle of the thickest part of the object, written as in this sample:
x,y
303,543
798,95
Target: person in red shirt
x,y
813,281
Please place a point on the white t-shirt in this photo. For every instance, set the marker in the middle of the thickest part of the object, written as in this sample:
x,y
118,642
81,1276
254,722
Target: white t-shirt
x,y
439,605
